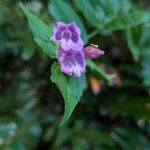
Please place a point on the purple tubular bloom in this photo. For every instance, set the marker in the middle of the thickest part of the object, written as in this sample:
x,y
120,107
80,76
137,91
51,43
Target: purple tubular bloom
x,y
92,51
68,35
71,62
71,54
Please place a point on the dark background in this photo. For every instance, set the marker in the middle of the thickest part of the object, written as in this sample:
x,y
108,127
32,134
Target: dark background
x,y
114,116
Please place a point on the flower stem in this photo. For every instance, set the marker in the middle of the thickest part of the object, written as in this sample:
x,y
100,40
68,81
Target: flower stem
x,y
93,33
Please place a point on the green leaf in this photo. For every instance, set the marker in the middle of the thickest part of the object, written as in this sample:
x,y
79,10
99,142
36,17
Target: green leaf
x,y
41,32
101,11
116,18
17,144
146,72
114,7
97,72
61,11
127,20
139,42
133,40
88,11
71,88
6,128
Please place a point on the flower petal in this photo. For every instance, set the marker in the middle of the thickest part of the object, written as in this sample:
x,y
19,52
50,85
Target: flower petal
x,y
57,31
74,28
72,62
67,45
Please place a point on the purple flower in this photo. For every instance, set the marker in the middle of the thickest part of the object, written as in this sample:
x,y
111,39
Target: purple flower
x,y
92,51
71,54
71,62
68,35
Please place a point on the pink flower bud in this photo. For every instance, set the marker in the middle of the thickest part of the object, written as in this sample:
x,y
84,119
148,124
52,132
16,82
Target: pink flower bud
x,y
92,51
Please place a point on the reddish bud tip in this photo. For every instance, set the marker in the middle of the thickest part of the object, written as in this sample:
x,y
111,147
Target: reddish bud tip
x,y
92,51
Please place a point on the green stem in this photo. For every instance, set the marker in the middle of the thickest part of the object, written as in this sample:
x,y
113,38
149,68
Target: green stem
x,y
93,33
97,72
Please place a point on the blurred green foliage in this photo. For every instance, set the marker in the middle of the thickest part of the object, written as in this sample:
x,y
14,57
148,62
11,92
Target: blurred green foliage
x,y
31,107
